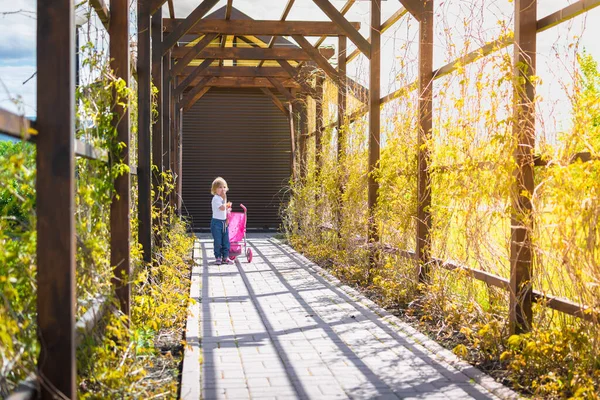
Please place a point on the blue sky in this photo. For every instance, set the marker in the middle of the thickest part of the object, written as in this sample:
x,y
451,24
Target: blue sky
x,y
17,40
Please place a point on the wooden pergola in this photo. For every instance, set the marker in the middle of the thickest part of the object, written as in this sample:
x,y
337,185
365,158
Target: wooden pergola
x,y
183,72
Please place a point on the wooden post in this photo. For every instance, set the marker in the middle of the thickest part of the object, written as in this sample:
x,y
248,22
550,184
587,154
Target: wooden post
x,y
179,157
119,210
173,133
374,117
424,134
524,130
303,136
55,204
166,116
318,124
157,134
292,143
341,116
144,146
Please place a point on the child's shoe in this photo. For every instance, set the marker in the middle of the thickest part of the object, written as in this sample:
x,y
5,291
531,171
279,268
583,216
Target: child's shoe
x,y
227,261
219,261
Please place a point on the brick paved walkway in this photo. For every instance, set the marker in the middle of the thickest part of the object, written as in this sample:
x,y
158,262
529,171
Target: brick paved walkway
x,y
282,328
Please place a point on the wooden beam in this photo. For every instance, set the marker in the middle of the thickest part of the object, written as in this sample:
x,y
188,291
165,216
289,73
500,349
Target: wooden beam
x,y
196,98
250,82
274,72
55,202
569,12
317,58
425,88
156,5
192,53
184,26
292,142
102,11
241,53
285,92
318,124
144,65
262,27
414,7
171,8
295,73
195,90
275,100
374,121
284,15
120,206
343,11
193,78
228,9
341,98
166,115
521,254
347,28
303,136
384,27
157,127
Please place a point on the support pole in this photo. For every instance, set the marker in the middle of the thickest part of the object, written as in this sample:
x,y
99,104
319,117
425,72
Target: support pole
x,y
424,134
166,117
144,146
157,131
119,211
55,204
303,122
341,120
521,295
374,120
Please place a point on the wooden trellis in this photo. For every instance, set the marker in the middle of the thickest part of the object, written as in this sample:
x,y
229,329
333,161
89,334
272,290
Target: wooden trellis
x,y
168,66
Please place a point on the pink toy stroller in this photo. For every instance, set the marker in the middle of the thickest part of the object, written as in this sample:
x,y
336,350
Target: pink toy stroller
x,y
237,234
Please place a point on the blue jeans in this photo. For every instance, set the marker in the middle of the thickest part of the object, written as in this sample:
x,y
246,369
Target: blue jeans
x,y
220,234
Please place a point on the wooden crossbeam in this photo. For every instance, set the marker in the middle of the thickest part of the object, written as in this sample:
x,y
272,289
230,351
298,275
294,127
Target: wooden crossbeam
x,y
102,11
185,25
285,92
274,72
258,27
192,94
192,78
228,9
250,82
414,7
384,27
192,53
295,73
317,57
284,15
241,53
275,100
346,27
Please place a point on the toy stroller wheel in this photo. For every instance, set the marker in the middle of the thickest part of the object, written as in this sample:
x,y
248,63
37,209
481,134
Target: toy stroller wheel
x,y
249,255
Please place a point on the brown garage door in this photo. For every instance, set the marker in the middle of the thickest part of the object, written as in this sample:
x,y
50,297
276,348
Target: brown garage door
x,y
241,135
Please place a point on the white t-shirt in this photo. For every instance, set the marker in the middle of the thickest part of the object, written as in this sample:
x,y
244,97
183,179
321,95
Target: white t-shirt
x,y
217,202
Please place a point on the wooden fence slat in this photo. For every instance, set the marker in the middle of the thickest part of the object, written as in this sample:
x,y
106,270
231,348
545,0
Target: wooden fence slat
x,y
55,203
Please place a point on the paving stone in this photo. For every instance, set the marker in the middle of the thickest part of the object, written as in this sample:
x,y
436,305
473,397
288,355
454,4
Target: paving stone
x,y
282,328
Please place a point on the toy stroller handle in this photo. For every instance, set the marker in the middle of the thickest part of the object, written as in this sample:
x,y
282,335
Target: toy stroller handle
x,y
244,208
